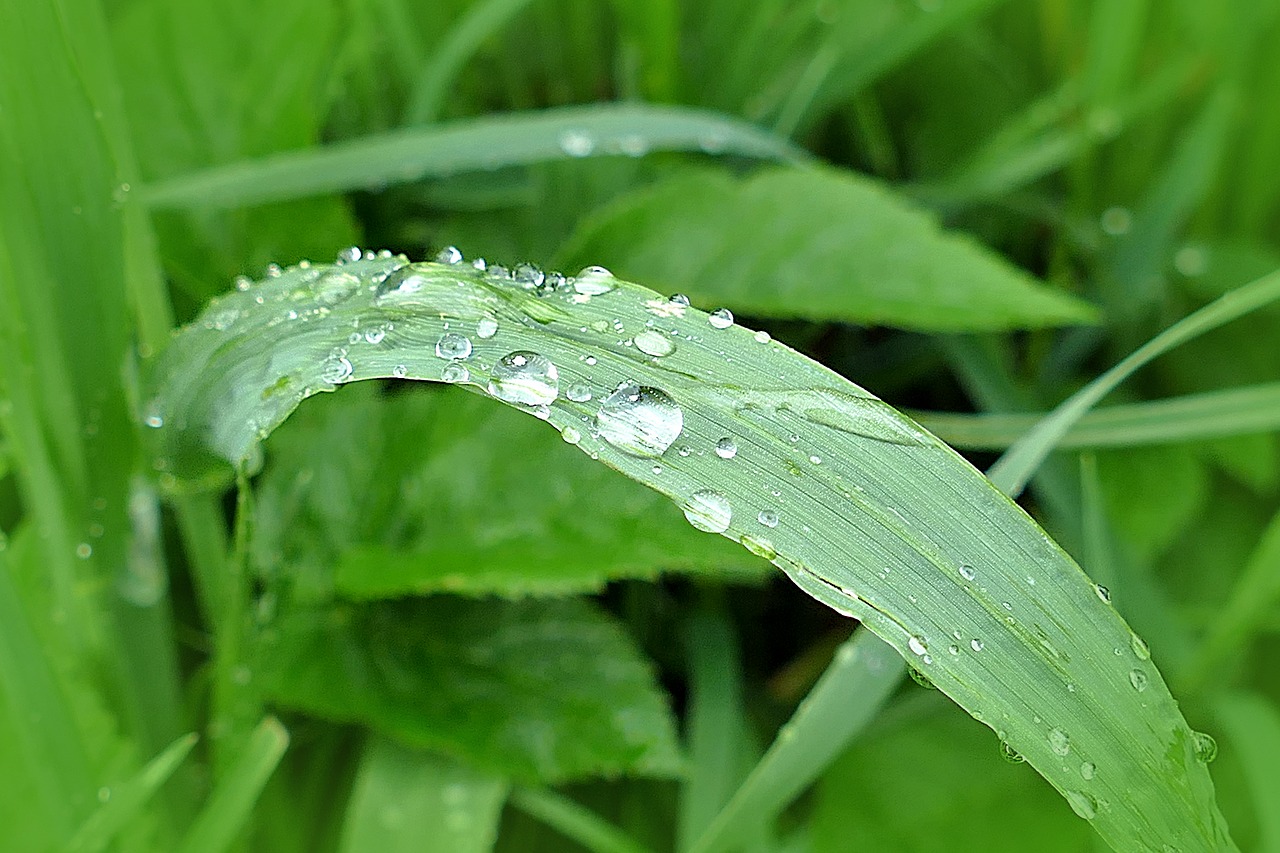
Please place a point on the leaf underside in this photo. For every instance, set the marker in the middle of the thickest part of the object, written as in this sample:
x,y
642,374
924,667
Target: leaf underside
x,y
862,508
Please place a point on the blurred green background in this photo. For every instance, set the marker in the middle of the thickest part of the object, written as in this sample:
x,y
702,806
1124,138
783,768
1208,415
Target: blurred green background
x,y
1105,167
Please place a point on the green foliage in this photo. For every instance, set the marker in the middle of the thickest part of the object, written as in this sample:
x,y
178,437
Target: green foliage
x,y
423,609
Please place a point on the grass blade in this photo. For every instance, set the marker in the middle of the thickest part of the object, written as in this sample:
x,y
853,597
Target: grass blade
x,y
1253,725
128,800
468,145
227,813
1014,468
859,506
849,694
574,821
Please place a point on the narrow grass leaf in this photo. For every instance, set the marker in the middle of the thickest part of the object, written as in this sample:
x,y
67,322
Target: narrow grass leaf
x,y
406,801
1252,726
574,821
479,144
1191,417
815,243
858,505
227,812
128,799
850,693
1014,468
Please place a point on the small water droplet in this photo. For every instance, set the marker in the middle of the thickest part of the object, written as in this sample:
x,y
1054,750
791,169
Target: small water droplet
x,y
335,286
1082,804
762,337
453,346
579,392
570,435
1088,770
454,373
274,271
768,517
594,281
400,371
449,255
577,143
1010,754
1206,748
726,448
403,282
917,646
336,368
679,299
977,645
640,420
1104,594
654,343
479,264
525,377
709,511
1059,741
486,327
967,572
953,649
1138,679
243,283
1140,648
528,276
721,318
351,254
815,459
84,550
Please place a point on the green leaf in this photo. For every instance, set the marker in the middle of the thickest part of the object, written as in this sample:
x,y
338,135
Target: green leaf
x,y
407,801
1253,725
478,144
929,782
541,690
815,243
1173,483
230,806
863,510
423,506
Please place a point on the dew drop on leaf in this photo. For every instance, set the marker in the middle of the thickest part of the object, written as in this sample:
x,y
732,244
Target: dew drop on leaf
x,y
726,448
579,392
640,420
525,377
654,343
1206,748
486,327
1082,804
1059,742
709,511
454,373
1138,679
335,286
449,255
453,346
594,281
768,517
721,318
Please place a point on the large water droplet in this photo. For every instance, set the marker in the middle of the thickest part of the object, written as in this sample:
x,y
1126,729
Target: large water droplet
x,y
721,318
1082,804
640,420
654,343
453,346
1206,748
594,281
486,327
1059,741
525,377
709,511
726,448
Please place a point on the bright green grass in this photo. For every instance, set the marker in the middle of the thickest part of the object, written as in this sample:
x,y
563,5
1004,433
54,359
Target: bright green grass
x,y
428,609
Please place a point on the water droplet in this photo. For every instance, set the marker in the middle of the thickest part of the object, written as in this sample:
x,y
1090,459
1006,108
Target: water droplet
x,y
917,646
351,254
1082,804
84,550
815,459
336,368
454,373
577,143
486,327
570,435
654,343
977,645
453,346
402,282
479,264
1140,648
1206,748
1059,742
594,281
721,318
243,283
726,448
525,377
679,299
528,276
1138,679
400,371
759,547
274,271
768,517
953,649
335,286
154,420
1088,770
967,572
579,392
709,511
762,337
1104,594
640,420
449,255
1010,754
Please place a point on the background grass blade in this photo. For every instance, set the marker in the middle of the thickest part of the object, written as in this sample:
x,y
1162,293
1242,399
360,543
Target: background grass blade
x,y
861,508
466,145
1253,728
1015,467
574,821
849,694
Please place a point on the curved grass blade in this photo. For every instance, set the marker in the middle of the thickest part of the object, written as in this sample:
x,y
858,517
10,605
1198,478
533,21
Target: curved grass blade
x,y
862,508
480,144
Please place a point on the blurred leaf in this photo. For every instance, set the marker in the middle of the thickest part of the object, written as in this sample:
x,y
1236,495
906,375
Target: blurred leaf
x,y
407,801
861,508
816,244
1173,485
541,690
438,499
933,782
1252,724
